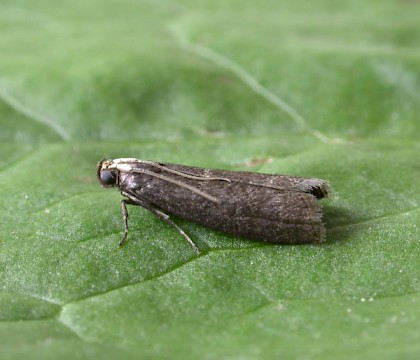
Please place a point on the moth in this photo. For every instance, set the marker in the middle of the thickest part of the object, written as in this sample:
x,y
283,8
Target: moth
x,y
273,208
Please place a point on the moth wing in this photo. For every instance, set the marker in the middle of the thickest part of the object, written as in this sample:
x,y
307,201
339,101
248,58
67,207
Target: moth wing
x,y
317,187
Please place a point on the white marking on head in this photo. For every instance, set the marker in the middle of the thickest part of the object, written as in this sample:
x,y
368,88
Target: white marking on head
x,y
123,167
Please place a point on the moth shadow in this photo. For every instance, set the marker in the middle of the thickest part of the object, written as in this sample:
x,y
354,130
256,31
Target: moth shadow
x,y
338,224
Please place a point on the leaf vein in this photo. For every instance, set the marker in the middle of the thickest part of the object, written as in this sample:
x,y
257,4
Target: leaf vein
x,y
249,80
31,114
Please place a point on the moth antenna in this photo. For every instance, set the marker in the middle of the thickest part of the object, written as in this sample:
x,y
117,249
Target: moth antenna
x,y
176,182
181,173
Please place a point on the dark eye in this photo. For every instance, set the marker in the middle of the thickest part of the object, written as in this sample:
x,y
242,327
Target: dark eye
x,y
108,178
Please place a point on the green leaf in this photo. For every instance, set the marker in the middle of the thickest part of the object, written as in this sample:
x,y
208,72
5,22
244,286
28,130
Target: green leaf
x,y
317,89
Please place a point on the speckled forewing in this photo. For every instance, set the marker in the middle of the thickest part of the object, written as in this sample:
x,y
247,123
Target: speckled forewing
x,y
271,208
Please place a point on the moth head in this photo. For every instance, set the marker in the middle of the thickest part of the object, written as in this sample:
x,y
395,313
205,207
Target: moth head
x,y
107,175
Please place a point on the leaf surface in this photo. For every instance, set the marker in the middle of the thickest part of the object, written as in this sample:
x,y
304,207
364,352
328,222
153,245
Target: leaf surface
x,y
311,89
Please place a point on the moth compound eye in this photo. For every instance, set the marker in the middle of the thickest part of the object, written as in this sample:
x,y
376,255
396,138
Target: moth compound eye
x,y
108,178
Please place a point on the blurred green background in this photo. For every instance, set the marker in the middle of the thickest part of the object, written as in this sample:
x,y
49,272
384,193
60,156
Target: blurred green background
x,y
321,89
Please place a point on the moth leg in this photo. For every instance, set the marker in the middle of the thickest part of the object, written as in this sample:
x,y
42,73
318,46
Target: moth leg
x,y
124,213
160,214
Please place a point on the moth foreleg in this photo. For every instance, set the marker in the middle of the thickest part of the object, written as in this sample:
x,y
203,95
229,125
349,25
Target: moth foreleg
x,y
160,214
124,213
